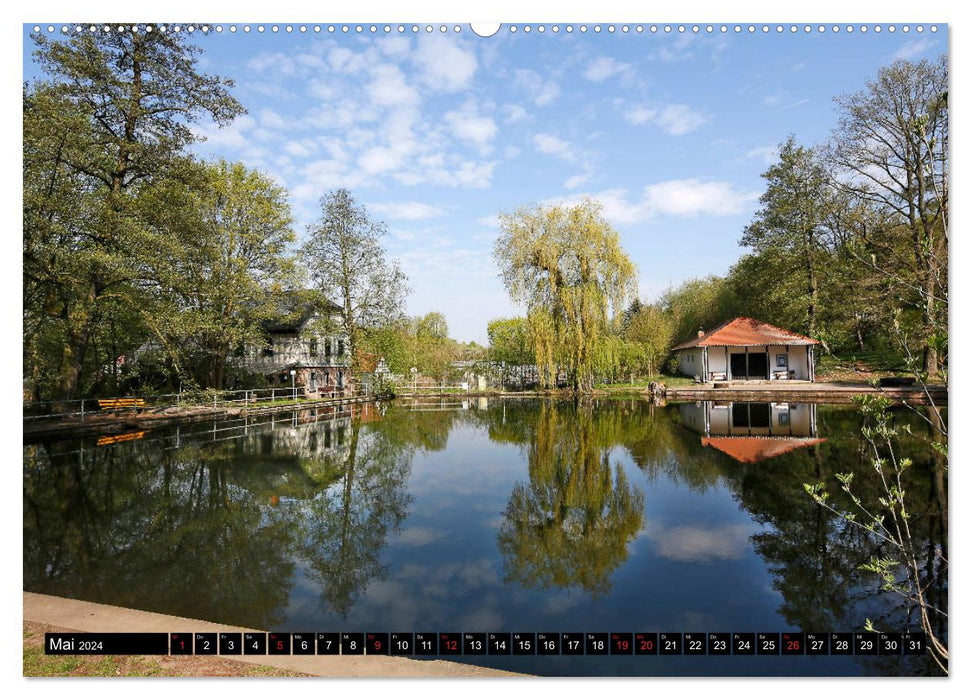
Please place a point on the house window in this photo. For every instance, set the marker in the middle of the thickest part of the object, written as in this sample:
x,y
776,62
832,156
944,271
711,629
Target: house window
x,y
340,348
268,351
327,348
313,348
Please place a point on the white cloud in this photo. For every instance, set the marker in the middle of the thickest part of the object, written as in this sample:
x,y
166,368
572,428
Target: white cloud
x,y
552,145
689,198
675,198
491,221
674,119
233,135
411,211
689,543
616,205
277,63
467,124
677,51
639,115
418,536
540,91
576,181
679,119
514,113
345,61
379,159
271,120
300,148
318,176
388,87
913,49
605,67
443,63
394,46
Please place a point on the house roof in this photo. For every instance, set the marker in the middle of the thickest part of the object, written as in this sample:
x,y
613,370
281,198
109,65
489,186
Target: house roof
x,y
744,331
293,310
756,449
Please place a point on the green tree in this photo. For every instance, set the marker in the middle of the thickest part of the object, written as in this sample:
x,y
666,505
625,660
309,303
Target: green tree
x,y
890,151
653,331
432,350
113,112
217,259
790,222
566,265
346,261
509,344
698,304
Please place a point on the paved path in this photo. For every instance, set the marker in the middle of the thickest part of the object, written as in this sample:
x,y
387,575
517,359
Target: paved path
x,y
81,616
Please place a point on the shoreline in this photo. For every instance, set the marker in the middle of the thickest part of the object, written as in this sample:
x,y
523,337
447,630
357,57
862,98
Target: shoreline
x,y
68,615
818,392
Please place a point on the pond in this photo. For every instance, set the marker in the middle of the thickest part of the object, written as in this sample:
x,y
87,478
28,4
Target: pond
x,y
493,515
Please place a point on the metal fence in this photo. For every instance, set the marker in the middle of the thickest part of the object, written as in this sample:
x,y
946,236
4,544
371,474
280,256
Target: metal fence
x,y
209,398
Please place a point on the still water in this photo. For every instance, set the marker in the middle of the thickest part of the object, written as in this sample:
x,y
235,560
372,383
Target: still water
x,y
492,516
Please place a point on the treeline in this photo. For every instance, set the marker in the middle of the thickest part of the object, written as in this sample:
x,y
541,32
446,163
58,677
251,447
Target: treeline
x,y
849,245
147,268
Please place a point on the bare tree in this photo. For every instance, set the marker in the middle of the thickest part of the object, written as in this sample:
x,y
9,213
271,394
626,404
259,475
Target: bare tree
x,y
346,262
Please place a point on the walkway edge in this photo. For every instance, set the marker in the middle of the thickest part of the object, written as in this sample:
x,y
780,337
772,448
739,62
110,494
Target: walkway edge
x,y
83,616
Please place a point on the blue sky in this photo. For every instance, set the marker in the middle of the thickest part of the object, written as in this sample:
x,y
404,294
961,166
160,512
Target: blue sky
x,y
437,133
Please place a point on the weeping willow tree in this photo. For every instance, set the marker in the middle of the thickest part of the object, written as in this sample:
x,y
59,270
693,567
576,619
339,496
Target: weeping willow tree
x,y
566,265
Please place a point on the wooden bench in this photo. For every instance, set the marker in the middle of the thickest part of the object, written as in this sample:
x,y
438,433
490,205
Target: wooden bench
x,y
718,376
115,404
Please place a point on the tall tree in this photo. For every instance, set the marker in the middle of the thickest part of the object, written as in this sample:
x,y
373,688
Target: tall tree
x,y
114,111
791,219
346,260
566,265
216,262
891,151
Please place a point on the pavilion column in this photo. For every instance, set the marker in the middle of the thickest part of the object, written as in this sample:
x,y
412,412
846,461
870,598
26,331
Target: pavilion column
x,y
768,364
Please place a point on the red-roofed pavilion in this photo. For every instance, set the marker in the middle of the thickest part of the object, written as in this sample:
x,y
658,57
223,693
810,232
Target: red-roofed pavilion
x,y
747,349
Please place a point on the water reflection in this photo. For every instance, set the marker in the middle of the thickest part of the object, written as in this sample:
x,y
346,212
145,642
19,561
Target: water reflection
x,y
486,511
571,523
205,521
752,432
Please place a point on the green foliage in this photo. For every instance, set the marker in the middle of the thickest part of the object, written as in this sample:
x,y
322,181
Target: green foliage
x,y
345,258
566,266
109,120
218,257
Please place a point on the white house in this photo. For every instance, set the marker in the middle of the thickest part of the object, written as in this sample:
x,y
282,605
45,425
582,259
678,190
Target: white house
x,y
294,341
747,349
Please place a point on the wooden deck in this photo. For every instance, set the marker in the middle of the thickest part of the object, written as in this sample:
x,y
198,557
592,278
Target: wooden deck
x,y
802,391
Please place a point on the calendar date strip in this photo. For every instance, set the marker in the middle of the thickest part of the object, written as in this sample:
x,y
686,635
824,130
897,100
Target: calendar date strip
x,y
489,643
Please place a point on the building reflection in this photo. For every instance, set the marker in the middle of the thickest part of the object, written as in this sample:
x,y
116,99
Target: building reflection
x,y
751,432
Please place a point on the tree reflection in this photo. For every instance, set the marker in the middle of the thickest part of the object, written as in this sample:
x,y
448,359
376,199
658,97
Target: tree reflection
x,y
345,529
815,556
570,525
154,529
